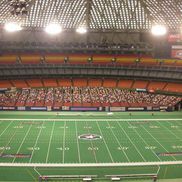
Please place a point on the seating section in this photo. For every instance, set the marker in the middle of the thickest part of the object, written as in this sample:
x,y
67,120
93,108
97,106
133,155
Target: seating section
x,y
173,87
53,58
22,97
5,84
34,83
147,60
84,96
102,59
122,59
126,59
156,85
93,82
64,82
78,59
50,82
140,84
110,83
178,62
125,84
80,82
9,99
30,59
19,83
8,59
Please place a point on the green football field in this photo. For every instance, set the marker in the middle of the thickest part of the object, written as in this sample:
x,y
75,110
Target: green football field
x,y
101,145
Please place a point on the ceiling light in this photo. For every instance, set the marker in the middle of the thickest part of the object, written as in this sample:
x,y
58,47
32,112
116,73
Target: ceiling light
x,y
53,29
19,7
12,27
159,30
81,30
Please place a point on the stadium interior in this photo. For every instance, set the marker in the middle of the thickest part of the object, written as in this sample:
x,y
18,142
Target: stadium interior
x,y
91,90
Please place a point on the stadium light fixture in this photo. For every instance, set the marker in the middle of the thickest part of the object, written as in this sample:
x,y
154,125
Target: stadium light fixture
x,y
12,27
53,29
19,7
81,30
159,30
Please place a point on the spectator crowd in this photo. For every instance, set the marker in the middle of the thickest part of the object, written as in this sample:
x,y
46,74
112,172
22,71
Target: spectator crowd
x,y
102,95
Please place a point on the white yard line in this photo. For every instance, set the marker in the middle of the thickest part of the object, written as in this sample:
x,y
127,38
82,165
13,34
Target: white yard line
x,y
9,141
124,164
94,153
118,142
95,119
64,133
22,141
157,141
170,131
78,147
6,128
180,125
50,142
144,141
36,143
105,143
132,142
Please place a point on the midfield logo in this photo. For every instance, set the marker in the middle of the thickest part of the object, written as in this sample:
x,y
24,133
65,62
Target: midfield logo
x,y
89,137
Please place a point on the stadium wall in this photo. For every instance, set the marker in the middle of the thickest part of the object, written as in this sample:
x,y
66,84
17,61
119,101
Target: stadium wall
x,y
67,108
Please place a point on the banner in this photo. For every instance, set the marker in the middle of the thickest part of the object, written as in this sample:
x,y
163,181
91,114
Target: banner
x,y
21,108
38,108
84,109
107,108
156,108
151,91
141,90
175,38
149,108
117,109
3,90
101,109
9,108
65,108
56,108
176,52
49,108
135,108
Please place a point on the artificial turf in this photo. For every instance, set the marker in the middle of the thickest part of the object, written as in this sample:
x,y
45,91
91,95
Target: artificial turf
x,y
54,138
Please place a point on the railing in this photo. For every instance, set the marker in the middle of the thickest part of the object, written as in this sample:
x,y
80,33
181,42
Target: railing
x,y
90,65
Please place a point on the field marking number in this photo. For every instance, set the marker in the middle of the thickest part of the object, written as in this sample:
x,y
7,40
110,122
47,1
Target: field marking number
x,y
93,148
132,127
123,148
61,148
5,148
174,126
154,126
41,127
18,127
177,147
63,127
150,147
87,127
110,127
33,148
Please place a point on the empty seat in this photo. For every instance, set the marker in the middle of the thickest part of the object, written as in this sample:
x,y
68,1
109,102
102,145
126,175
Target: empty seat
x,y
125,83
30,59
